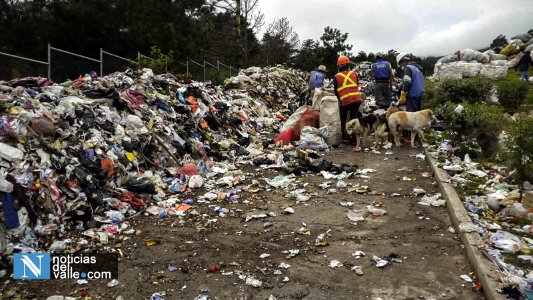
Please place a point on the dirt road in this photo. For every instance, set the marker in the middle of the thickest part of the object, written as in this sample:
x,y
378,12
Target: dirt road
x,y
432,256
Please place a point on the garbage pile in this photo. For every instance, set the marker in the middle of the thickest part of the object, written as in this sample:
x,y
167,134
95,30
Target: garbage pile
x,y
80,158
504,222
492,63
273,85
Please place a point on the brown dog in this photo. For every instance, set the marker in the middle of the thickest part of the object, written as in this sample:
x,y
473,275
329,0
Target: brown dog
x,y
412,121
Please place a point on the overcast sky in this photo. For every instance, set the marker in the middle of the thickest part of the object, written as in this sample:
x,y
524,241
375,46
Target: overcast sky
x,y
422,27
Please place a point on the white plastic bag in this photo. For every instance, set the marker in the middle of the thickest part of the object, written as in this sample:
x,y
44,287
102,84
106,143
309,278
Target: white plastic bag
x,y
449,70
493,72
196,181
10,153
330,117
471,69
506,241
469,54
313,138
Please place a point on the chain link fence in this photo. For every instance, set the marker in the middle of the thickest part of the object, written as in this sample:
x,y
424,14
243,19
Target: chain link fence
x,y
13,66
62,65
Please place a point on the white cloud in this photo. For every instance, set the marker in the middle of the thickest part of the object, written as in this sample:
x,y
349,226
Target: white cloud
x,y
417,26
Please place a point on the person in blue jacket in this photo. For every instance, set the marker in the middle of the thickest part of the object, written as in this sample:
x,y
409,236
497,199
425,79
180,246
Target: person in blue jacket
x,y
412,82
316,79
523,65
383,77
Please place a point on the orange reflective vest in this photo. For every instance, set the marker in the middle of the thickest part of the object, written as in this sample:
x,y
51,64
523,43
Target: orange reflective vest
x,y
347,88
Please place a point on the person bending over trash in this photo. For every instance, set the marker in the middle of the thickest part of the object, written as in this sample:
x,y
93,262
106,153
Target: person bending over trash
x,y
347,91
383,77
413,83
316,79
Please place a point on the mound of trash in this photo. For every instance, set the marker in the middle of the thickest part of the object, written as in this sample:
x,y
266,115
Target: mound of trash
x,y
492,63
80,158
273,85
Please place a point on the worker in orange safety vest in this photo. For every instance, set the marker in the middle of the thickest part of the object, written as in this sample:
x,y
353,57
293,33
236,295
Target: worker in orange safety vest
x,y
347,91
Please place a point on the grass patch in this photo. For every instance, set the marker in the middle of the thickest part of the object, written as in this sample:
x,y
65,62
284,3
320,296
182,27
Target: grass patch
x,y
527,105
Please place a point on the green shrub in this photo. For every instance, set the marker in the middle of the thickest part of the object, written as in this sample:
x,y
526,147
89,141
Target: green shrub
x,y
158,61
519,149
429,100
511,94
475,130
471,90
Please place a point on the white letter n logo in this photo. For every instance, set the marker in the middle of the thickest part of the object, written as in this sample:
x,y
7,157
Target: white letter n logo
x,y
31,266
28,264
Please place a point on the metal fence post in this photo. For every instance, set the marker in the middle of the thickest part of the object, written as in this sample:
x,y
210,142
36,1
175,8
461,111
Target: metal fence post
x,y
230,70
49,63
101,62
204,70
139,57
187,66
166,63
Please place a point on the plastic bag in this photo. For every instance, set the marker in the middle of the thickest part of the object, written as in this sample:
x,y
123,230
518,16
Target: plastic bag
x,y
448,59
10,153
189,169
286,136
512,48
141,185
330,117
494,56
506,241
294,118
196,181
310,117
449,70
493,72
471,69
313,138
469,54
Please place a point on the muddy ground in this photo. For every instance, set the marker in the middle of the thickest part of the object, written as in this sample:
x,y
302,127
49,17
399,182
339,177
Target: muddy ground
x,y
433,257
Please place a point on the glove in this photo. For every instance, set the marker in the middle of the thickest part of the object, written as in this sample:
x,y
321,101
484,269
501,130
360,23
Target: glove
x,y
403,98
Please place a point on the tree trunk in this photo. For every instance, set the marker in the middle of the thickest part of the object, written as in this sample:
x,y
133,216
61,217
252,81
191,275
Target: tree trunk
x,y
238,31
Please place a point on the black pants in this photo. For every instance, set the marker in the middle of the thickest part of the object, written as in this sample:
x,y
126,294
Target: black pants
x,y
353,109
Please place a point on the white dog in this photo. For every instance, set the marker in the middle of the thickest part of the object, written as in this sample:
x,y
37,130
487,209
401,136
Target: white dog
x,y
413,121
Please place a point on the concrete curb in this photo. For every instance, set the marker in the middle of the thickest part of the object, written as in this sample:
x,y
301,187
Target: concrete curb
x,y
485,269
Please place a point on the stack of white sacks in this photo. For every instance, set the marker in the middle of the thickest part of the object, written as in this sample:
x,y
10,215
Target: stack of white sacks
x,y
489,64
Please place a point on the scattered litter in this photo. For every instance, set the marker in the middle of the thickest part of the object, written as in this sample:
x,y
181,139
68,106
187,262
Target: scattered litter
x,y
251,281
355,216
418,192
376,212
358,254
288,210
470,227
432,200
113,283
335,264
380,263
506,241
284,266
358,270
